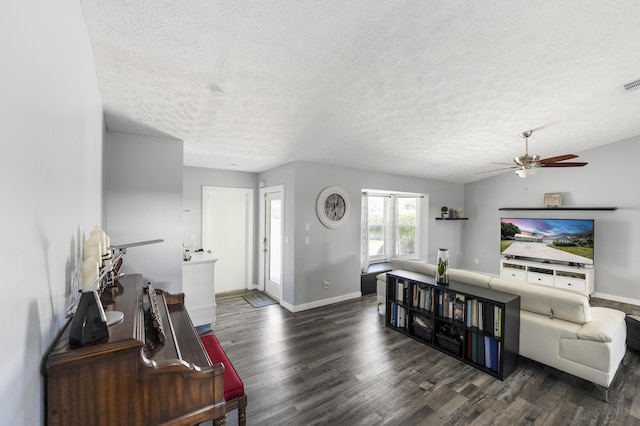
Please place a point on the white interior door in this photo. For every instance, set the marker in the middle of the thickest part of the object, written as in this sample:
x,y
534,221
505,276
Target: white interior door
x,y
227,231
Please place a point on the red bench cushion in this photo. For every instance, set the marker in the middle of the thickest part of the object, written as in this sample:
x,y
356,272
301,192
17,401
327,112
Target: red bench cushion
x,y
233,386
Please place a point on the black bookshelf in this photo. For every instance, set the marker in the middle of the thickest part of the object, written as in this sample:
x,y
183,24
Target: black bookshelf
x,y
475,325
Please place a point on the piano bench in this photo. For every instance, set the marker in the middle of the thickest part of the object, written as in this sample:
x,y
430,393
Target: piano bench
x,y
234,395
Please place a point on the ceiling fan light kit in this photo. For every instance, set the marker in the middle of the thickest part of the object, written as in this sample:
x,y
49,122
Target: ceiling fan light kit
x,y
525,173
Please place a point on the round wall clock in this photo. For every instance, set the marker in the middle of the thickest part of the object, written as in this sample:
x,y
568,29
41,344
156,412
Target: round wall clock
x,y
333,207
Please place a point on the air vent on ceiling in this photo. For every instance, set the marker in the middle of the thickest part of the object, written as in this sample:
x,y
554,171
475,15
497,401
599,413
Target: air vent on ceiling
x,y
632,85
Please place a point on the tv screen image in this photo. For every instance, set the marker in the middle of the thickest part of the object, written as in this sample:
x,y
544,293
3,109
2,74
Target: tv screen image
x,y
556,240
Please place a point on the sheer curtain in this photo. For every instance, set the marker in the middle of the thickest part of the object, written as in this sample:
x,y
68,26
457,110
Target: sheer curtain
x,y
390,231
364,233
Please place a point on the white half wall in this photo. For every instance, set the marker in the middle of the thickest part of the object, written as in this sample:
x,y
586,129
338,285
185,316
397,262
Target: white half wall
x,y
51,184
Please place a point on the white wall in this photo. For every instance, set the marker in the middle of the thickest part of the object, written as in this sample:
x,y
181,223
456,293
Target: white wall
x,y
51,185
144,202
609,180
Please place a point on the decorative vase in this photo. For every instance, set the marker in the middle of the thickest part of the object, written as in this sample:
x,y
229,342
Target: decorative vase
x,y
442,265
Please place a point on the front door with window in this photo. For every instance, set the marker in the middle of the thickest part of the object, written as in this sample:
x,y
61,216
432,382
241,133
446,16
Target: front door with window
x,y
272,244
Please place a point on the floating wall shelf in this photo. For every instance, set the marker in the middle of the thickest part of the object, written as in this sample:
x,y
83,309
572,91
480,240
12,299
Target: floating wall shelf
x,y
452,218
559,208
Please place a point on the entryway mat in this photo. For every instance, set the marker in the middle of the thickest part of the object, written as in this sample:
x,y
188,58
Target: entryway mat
x,y
258,299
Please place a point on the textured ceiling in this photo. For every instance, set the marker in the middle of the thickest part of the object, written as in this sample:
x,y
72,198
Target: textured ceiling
x,y
431,88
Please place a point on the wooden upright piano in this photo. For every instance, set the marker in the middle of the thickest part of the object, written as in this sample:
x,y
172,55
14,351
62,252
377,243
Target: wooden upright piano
x,y
130,378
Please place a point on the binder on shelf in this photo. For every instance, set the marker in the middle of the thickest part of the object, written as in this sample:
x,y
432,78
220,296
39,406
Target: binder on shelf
x,y
487,351
394,312
481,350
469,310
494,355
474,347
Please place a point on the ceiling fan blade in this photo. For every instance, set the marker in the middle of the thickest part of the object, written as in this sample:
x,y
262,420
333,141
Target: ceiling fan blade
x,y
575,164
558,158
504,164
497,170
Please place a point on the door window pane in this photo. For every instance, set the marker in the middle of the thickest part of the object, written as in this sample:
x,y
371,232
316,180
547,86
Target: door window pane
x,y
275,241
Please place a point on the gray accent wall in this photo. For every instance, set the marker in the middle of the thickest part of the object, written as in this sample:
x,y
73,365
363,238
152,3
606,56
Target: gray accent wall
x,y
334,254
144,202
609,180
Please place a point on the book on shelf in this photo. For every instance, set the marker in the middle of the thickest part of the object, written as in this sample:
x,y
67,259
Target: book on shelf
x,y
481,351
487,317
469,312
401,321
394,314
459,307
450,304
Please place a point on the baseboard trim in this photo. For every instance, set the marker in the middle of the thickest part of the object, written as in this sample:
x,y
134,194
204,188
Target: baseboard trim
x,y
319,303
617,298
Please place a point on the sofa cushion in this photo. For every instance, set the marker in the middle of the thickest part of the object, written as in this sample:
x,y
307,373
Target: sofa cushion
x,y
550,301
469,277
417,266
604,325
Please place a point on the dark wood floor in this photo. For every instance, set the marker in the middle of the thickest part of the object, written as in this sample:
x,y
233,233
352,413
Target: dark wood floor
x,y
339,365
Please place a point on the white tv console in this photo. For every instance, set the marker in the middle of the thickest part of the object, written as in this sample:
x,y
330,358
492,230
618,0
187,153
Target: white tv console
x,y
578,279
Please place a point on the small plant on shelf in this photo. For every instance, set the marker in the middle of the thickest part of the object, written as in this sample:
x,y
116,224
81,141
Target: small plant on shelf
x,y
443,211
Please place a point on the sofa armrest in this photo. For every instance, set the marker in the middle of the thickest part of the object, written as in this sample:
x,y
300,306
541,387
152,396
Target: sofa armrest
x,y
604,325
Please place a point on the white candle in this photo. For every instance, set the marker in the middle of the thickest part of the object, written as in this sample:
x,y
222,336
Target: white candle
x,y
89,273
92,248
102,237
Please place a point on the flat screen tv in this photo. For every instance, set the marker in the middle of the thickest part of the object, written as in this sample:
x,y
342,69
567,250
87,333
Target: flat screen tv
x,y
564,241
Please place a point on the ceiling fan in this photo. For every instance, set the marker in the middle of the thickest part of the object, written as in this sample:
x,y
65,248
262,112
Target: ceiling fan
x,y
526,165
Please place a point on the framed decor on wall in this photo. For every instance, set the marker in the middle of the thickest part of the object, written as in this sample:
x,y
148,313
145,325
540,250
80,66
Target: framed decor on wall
x,y
552,199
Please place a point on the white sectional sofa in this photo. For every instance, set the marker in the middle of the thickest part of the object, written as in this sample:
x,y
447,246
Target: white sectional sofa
x,y
557,327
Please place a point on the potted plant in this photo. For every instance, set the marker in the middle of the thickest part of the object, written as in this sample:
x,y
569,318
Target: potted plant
x,y
443,211
442,265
